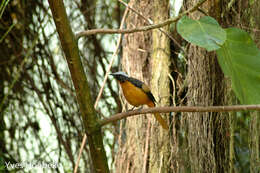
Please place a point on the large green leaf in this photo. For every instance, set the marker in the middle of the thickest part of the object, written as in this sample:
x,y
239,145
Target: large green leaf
x,y
239,59
205,32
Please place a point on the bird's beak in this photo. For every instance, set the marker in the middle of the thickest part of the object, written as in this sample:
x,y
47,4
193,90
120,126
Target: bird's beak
x,y
112,74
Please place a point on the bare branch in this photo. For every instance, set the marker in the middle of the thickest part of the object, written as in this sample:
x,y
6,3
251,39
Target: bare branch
x,y
144,28
151,22
233,108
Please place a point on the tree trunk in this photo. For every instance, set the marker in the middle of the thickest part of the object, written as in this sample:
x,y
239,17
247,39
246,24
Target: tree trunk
x,y
255,120
145,144
208,140
207,132
202,142
160,143
135,134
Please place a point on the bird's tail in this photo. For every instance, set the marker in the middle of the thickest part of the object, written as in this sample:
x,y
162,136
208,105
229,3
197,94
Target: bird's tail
x,y
159,118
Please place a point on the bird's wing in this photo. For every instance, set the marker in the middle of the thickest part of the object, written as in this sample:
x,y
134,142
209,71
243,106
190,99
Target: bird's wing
x,y
142,86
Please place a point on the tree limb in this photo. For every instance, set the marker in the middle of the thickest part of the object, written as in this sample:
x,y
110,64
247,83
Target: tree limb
x,y
88,113
144,28
233,108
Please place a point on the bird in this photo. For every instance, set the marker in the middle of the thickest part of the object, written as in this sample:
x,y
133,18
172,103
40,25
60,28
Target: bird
x,y
137,93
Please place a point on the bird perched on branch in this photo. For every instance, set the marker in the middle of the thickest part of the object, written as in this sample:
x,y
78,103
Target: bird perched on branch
x,y
137,93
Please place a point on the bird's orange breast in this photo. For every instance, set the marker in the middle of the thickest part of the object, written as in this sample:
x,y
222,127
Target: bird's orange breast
x,y
134,95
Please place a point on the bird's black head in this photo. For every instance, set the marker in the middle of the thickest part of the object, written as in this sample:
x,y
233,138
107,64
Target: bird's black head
x,y
120,76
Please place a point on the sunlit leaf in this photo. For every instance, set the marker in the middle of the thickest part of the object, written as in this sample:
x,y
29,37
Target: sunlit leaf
x,y
205,32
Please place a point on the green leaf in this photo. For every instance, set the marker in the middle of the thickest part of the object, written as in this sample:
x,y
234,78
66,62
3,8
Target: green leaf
x,y
239,59
205,32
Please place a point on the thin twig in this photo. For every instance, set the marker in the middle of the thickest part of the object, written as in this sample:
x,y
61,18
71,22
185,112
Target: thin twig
x,y
80,152
234,108
113,58
144,28
7,32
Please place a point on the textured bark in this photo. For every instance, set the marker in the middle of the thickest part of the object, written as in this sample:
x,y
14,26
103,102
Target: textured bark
x,y
145,148
160,143
135,136
208,142
207,132
255,142
255,120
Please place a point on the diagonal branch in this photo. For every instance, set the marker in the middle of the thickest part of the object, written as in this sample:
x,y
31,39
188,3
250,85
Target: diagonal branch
x,y
233,108
144,28
102,87
83,93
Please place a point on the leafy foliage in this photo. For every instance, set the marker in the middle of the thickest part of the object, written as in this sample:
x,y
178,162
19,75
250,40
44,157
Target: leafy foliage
x,y
239,59
238,55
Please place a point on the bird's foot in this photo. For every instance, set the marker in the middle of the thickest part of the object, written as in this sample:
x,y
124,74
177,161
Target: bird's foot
x,y
133,108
